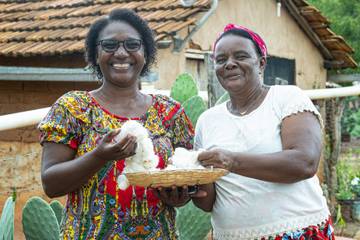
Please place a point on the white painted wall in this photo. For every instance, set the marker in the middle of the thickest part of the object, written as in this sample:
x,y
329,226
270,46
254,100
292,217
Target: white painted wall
x,y
283,36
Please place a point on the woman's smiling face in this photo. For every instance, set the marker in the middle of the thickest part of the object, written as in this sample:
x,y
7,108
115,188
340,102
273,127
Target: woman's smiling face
x,y
120,67
237,63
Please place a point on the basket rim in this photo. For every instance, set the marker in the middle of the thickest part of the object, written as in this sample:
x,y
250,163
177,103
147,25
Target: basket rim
x,y
178,177
167,171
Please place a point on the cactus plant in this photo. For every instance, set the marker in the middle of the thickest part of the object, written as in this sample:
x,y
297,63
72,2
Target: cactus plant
x,y
183,88
7,220
39,220
58,210
223,98
192,222
194,107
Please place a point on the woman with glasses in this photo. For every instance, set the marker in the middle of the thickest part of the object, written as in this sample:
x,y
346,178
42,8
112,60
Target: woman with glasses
x,y
80,158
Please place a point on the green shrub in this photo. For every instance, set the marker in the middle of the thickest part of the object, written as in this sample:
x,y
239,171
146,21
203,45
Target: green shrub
x,y
350,122
346,189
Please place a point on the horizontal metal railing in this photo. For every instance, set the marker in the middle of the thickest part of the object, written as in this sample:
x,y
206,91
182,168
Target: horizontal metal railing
x,y
29,118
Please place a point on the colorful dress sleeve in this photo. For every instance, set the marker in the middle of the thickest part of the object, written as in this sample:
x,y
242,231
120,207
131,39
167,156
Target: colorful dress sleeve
x,y
176,122
183,130
60,126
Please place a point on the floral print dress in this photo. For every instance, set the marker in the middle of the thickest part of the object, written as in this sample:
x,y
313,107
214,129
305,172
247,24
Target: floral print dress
x,y
99,209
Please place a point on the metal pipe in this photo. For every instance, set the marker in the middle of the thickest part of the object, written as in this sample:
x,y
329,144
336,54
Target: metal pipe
x,y
28,118
199,24
22,119
315,94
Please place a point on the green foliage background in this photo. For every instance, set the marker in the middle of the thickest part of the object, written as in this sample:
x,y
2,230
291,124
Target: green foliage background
x,y
350,121
344,16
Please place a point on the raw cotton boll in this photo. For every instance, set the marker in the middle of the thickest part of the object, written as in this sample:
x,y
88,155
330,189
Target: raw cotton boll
x,y
170,166
144,159
186,159
134,128
134,164
122,182
150,159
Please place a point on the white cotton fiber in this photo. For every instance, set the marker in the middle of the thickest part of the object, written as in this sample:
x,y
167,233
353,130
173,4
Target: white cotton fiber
x,y
134,128
145,158
123,182
185,159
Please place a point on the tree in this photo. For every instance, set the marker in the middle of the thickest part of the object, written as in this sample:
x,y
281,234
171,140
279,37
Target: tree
x,y
344,16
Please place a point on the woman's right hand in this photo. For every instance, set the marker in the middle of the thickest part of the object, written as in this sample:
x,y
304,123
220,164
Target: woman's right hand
x,y
110,150
218,158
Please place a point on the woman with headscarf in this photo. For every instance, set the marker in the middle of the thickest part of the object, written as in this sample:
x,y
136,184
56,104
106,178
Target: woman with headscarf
x,y
269,139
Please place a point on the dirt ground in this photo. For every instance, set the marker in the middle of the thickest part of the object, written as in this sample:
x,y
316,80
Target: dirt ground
x,y
351,230
343,238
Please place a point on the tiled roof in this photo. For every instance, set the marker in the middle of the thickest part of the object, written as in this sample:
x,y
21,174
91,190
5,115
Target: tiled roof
x,y
332,46
59,27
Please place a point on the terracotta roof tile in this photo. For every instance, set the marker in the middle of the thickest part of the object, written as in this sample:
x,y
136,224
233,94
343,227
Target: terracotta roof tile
x,y
152,5
312,14
51,27
339,51
106,9
59,27
173,26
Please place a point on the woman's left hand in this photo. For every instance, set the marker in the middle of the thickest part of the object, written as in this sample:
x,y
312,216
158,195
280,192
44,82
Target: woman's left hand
x,y
173,196
217,158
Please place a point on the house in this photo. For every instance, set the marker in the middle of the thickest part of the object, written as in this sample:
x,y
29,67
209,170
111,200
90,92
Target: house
x,y
42,46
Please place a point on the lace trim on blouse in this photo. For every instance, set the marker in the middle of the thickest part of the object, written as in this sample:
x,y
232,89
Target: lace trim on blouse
x,y
272,229
302,107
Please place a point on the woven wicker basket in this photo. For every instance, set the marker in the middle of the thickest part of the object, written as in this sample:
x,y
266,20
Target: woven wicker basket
x,y
166,178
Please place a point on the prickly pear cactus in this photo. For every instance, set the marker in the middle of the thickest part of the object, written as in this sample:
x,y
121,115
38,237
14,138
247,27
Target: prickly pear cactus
x,y
223,98
39,220
7,220
194,107
58,209
183,88
192,223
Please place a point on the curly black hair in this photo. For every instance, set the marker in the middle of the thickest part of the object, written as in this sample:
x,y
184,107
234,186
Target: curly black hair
x,y
134,20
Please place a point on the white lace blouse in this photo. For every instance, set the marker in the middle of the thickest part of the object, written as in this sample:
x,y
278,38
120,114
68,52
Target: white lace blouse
x,y
247,208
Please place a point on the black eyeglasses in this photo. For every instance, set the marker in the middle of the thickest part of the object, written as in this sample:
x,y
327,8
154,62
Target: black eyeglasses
x,y
112,45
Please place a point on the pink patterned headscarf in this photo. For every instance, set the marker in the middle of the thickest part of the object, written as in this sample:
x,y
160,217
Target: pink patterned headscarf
x,y
254,36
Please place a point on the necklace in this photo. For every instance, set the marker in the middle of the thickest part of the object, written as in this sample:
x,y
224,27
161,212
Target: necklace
x,y
235,111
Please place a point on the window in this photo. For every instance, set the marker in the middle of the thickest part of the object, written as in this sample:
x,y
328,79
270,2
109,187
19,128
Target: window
x,y
279,71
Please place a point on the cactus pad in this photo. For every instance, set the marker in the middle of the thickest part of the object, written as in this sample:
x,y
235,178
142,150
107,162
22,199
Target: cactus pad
x,y
192,223
183,88
194,107
223,98
39,220
7,220
58,209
